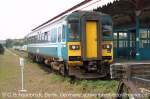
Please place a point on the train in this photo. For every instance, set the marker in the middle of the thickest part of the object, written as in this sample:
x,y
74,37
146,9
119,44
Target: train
x,y
78,44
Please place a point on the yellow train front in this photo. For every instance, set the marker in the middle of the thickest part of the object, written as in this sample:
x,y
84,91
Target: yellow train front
x,y
90,47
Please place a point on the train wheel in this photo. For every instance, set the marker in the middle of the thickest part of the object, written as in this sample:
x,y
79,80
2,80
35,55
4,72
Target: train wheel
x,y
64,69
85,64
33,58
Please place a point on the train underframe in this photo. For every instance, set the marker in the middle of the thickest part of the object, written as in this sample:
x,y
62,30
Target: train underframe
x,y
93,69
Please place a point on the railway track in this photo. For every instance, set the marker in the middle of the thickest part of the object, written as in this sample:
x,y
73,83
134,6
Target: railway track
x,y
134,79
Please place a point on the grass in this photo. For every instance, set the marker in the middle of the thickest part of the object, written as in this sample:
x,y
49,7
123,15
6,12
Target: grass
x,y
38,79
6,71
102,86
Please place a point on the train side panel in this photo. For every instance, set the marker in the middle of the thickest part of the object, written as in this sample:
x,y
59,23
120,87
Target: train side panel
x,y
54,47
48,49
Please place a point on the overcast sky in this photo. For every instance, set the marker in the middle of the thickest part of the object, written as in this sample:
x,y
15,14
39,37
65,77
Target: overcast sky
x,y
19,17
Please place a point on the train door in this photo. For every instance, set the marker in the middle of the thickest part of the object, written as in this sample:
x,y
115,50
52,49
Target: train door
x,y
91,39
59,37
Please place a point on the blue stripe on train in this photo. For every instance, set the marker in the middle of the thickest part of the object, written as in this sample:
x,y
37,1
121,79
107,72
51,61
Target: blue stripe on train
x,y
49,51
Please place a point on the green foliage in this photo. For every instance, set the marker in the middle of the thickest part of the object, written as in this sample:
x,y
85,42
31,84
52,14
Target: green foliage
x,y
14,42
102,86
9,43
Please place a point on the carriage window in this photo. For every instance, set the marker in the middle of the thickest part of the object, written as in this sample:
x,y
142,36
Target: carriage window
x,y
63,33
53,35
49,35
59,34
74,30
42,37
46,36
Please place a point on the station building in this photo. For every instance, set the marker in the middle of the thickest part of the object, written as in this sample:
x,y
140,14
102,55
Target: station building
x,y
131,28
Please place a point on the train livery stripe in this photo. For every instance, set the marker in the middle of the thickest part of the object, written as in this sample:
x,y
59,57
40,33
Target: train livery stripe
x,y
49,49
47,45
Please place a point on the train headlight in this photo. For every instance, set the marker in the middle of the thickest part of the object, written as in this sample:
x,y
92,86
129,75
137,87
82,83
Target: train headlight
x,y
74,47
107,46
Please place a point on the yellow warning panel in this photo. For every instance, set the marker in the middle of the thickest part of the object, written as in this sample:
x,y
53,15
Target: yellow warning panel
x,y
91,39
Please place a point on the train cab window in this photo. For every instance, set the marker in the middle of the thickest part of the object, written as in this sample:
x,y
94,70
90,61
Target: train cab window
x,y
107,30
74,30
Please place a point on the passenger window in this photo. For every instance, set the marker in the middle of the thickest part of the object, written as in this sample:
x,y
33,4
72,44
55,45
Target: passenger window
x,y
43,37
63,33
59,34
40,37
54,36
46,36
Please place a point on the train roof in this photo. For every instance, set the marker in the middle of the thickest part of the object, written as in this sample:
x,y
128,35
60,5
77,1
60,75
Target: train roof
x,y
81,13
75,13
105,18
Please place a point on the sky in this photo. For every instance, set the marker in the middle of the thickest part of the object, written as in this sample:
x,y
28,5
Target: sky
x,y
19,17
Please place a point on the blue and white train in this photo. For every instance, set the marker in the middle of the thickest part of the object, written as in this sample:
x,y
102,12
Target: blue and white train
x,y
80,42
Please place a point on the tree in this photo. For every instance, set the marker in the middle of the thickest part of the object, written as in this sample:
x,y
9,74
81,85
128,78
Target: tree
x,y
9,43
